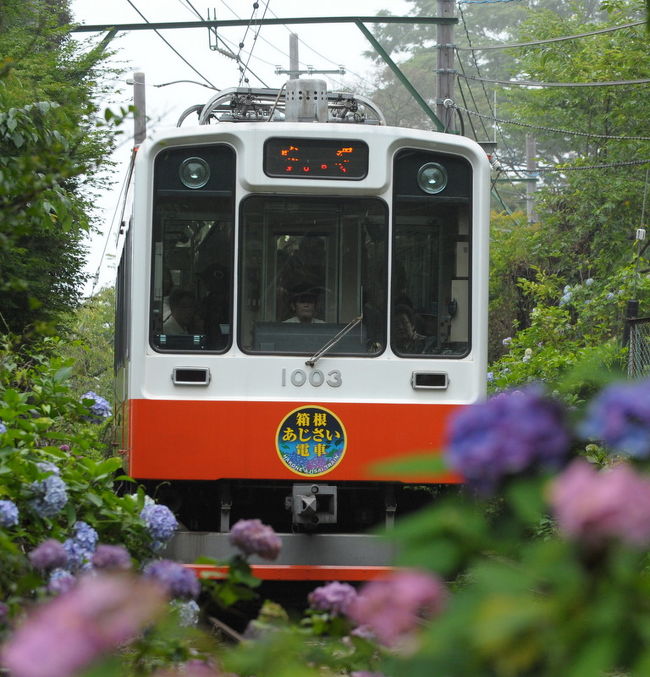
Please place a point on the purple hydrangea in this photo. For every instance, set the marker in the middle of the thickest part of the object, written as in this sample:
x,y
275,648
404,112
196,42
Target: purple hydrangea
x,y
392,607
334,597
81,546
50,494
595,507
620,417
177,580
254,538
60,582
112,557
8,513
50,554
100,408
507,434
3,428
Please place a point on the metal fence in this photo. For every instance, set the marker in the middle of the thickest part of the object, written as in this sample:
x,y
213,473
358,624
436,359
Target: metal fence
x,y
638,363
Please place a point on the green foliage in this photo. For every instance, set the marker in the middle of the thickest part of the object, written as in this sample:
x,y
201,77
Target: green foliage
x,y
45,423
52,149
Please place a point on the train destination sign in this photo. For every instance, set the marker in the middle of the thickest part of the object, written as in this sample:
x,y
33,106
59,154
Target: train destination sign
x,y
316,158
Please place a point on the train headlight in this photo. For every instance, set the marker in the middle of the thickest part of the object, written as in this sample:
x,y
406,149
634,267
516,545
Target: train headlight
x,y
194,172
432,178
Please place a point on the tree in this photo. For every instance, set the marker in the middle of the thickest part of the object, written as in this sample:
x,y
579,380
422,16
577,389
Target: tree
x,y
51,149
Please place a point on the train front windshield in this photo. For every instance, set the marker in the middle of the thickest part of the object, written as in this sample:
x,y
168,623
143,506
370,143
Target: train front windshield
x,y
310,268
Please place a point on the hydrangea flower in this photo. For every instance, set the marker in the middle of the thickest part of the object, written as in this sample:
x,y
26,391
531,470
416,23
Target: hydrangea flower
x,y
65,635
159,520
619,416
254,538
595,507
566,298
8,513
509,433
50,495
111,557
50,554
392,607
3,428
507,341
100,409
60,582
334,597
188,612
81,546
177,580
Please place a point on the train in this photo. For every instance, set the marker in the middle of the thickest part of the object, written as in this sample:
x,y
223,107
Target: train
x,y
302,296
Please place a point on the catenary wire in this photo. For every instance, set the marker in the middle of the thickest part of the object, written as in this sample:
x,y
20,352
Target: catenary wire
x,y
535,83
549,40
159,34
555,130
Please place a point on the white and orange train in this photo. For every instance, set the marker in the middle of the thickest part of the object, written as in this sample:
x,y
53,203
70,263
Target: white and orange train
x,y
302,294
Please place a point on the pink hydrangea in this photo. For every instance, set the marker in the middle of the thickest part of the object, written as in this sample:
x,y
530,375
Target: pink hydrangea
x,y
96,616
596,506
391,608
254,538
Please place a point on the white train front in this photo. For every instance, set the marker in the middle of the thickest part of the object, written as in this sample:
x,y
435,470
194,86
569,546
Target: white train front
x,y
298,300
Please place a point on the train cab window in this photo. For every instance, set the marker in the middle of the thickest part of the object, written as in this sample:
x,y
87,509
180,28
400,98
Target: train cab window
x,y
430,292
191,291
313,269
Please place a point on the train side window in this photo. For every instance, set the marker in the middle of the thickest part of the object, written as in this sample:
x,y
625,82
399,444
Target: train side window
x,y
193,260
309,266
430,292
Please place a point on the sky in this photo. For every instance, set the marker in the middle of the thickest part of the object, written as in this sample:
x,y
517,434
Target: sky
x,y
321,46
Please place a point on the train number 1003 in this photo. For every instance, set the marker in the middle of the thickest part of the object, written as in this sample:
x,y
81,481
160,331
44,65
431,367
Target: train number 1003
x,y
315,378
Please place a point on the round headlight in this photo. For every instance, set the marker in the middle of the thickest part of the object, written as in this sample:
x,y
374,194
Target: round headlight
x,y
194,172
432,178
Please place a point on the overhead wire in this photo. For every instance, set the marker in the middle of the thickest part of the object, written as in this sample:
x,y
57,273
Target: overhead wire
x,y
515,45
228,43
536,83
162,37
257,32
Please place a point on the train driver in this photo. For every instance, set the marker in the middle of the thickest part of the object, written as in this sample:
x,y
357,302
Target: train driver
x,y
303,304
182,313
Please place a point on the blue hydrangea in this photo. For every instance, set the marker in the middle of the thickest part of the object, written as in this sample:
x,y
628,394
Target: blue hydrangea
x,y
3,428
507,434
619,416
50,496
160,521
60,581
188,612
8,514
81,546
566,298
100,409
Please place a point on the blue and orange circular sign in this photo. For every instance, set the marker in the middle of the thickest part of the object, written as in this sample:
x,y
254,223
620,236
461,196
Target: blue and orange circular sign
x,y
311,441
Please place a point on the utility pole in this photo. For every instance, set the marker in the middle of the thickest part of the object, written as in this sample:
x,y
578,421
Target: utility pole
x,y
531,171
294,71
445,70
139,103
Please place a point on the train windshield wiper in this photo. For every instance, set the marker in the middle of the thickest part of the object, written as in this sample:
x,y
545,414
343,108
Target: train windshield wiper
x,y
330,343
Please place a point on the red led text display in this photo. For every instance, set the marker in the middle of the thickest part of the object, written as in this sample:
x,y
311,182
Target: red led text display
x,y
316,158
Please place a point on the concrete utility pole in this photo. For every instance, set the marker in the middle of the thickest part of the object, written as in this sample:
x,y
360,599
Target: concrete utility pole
x,y
294,71
140,114
445,70
531,170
